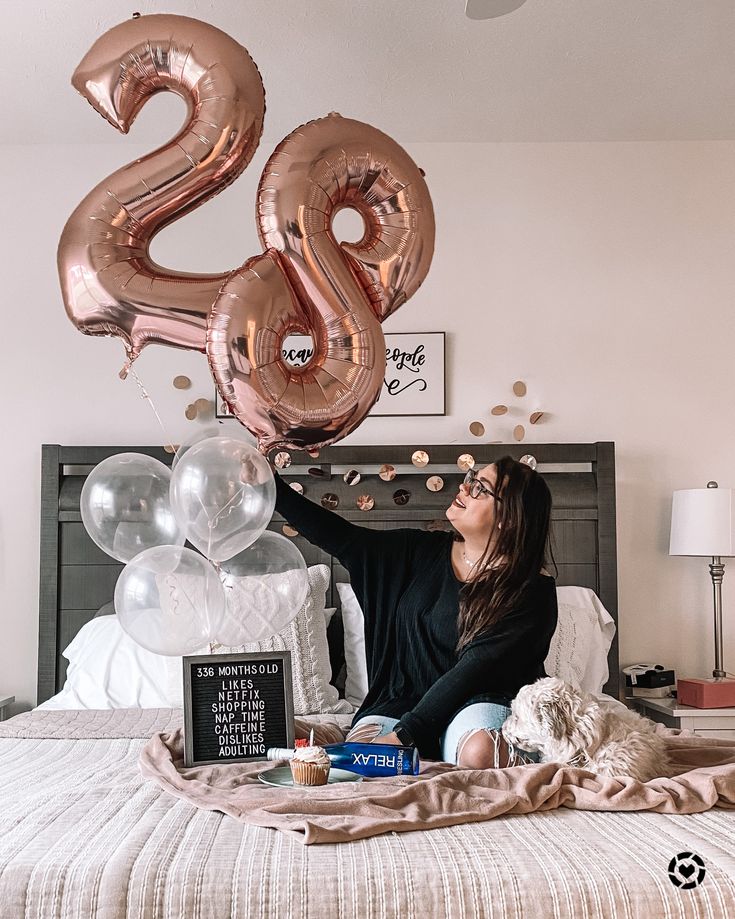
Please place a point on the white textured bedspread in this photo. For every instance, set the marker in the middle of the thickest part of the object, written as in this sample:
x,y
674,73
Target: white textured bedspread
x,y
83,835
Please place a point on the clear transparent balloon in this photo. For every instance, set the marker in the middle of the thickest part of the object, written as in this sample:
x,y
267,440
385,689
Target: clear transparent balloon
x,y
126,508
170,600
265,587
234,430
223,493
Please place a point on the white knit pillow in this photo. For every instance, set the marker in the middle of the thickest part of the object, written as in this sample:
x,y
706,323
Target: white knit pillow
x,y
306,638
571,643
588,606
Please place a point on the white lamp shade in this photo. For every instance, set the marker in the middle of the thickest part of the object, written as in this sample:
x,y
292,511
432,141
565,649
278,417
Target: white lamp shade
x,y
702,521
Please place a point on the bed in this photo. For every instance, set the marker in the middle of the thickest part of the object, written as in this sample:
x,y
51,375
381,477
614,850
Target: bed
x,y
83,834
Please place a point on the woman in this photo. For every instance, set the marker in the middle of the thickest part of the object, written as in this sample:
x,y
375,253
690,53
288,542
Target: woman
x,y
455,623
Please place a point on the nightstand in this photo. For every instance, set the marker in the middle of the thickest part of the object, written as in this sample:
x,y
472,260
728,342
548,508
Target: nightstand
x,y
706,722
5,701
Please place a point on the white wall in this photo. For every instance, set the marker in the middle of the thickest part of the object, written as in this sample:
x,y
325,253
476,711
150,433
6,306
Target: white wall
x,y
602,274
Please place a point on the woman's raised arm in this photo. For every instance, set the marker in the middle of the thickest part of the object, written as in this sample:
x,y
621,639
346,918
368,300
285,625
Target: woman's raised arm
x,y
321,527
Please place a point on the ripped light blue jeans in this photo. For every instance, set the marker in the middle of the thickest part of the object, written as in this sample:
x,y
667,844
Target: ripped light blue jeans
x,y
477,714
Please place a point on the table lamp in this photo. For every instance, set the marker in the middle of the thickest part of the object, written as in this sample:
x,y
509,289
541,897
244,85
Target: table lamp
x,y
703,524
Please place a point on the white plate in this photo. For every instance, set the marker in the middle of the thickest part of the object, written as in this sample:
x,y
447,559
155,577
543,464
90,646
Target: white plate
x,y
281,776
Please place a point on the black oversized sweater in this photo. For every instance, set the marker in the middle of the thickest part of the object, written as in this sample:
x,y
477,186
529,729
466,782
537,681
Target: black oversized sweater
x,y
408,591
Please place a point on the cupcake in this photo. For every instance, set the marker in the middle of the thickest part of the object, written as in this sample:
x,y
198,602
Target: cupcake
x,y
310,766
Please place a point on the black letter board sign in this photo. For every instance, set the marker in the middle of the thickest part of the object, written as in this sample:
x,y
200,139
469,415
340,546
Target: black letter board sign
x,y
236,706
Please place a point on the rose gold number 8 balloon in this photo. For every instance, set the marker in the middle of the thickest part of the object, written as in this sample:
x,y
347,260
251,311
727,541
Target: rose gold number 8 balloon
x,y
305,281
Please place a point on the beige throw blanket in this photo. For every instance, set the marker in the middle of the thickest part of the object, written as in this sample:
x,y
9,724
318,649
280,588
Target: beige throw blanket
x,y
442,795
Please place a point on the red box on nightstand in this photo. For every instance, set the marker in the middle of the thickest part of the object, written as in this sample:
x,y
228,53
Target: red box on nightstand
x,y
709,693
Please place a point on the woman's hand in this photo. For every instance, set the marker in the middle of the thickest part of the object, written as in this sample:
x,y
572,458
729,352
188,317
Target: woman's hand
x,y
388,738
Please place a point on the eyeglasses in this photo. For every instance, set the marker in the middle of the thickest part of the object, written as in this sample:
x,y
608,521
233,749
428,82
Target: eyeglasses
x,y
475,486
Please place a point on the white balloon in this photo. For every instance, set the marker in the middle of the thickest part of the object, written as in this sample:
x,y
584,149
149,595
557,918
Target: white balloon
x,y
265,587
126,508
170,600
223,493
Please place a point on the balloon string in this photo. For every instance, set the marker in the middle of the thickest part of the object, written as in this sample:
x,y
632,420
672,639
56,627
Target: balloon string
x,y
144,395
212,521
223,509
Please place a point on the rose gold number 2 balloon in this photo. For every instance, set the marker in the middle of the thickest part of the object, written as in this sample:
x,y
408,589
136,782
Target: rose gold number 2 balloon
x,y
109,283
304,282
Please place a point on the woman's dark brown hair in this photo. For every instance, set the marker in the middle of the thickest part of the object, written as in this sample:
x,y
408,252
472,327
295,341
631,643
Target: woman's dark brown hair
x,y
520,550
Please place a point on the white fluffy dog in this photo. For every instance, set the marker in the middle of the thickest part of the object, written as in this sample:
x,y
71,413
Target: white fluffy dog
x,y
566,725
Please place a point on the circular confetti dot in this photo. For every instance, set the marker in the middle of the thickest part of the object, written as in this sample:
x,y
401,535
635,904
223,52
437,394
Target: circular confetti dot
x,y
182,382
171,448
297,487
203,405
351,477
528,460
435,483
365,502
420,458
289,530
282,460
191,412
330,501
536,417
477,428
519,432
317,472
519,388
466,461
401,497
499,410
387,472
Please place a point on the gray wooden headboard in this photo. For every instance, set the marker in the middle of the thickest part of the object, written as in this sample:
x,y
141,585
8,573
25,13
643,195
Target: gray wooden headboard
x,y
77,578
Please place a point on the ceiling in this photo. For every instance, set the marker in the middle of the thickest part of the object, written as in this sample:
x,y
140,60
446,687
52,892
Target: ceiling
x,y
552,70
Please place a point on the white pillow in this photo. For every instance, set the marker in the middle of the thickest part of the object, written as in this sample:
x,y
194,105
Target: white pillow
x,y
571,644
353,622
107,669
306,638
602,632
577,653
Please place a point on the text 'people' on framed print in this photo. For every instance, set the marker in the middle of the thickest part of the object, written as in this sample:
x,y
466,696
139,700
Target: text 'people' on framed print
x,y
414,373
236,706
